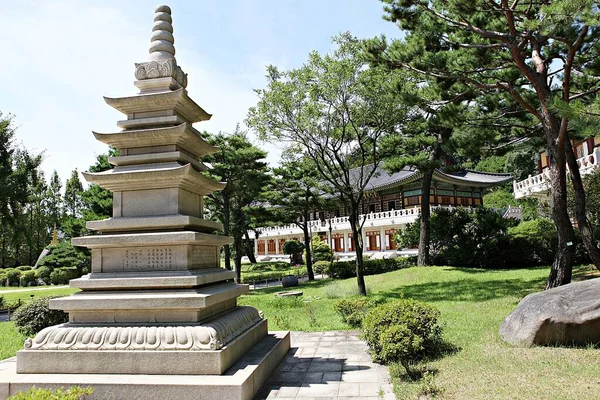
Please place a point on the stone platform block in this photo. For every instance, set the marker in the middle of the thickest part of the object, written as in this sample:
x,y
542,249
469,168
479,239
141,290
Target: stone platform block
x,y
240,382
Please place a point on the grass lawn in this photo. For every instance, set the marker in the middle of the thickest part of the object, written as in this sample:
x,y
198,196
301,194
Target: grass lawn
x,y
25,294
473,303
10,340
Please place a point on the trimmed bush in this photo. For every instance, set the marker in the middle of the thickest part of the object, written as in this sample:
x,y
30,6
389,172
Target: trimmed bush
x,y
28,278
320,250
347,269
353,310
62,276
24,268
65,255
321,267
272,275
72,393
43,273
36,315
403,331
12,277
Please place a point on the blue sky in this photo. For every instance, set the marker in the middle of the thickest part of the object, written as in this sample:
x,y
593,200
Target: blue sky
x,y
61,57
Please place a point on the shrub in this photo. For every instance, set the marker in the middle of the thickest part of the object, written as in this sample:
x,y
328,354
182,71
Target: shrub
x,y
64,254
12,277
531,243
347,269
353,310
2,278
294,248
24,268
250,277
403,331
72,393
1,302
28,278
321,267
62,276
320,250
462,237
43,273
36,315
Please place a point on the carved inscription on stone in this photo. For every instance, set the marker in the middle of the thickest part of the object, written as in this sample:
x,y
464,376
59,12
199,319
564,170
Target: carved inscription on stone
x,y
153,258
204,257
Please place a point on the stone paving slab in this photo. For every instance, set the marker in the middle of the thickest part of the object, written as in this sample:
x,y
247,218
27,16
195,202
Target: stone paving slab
x,y
328,365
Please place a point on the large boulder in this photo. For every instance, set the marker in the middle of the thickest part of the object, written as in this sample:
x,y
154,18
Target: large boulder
x,y
566,315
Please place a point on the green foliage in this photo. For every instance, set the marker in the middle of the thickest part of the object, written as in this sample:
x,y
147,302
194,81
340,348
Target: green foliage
x,y
502,198
72,393
293,247
43,273
243,166
12,277
251,277
474,238
36,315
65,255
320,250
27,278
404,331
62,276
321,267
347,269
532,243
353,310
334,110
24,268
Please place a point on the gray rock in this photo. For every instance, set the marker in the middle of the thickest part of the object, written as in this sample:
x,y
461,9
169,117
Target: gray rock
x,y
567,315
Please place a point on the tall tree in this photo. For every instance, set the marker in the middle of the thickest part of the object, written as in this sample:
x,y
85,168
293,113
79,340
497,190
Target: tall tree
x,y
73,223
242,166
436,108
334,110
294,195
54,200
542,56
18,176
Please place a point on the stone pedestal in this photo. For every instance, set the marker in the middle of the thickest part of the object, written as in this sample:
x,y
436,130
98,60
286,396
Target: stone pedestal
x,y
156,302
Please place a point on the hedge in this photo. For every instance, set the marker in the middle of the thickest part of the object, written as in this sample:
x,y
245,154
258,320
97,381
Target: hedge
x,y
347,269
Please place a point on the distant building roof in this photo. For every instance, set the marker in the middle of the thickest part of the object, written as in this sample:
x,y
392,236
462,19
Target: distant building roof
x,y
383,180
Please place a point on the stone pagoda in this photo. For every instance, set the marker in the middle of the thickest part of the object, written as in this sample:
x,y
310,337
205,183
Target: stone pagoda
x,y
157,303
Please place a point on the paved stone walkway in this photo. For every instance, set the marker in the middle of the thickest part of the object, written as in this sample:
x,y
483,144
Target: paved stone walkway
x,y
328,365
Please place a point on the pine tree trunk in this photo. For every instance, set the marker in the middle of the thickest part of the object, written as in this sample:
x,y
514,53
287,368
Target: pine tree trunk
x,y
249,249
425,232
237,244
358,248
562,267
583,223
309,265
226,230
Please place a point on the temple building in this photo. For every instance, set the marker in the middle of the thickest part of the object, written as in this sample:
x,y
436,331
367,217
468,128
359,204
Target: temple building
x,y
392,201
587,152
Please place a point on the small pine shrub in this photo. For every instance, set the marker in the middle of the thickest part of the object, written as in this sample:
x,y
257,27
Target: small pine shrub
x,y
62,276
12,277
321,267
72,393
36,315
403,331
353,310
43,273
28,278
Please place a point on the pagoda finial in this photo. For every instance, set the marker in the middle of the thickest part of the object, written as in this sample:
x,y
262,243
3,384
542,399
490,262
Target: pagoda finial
x,y
161,41
161,62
